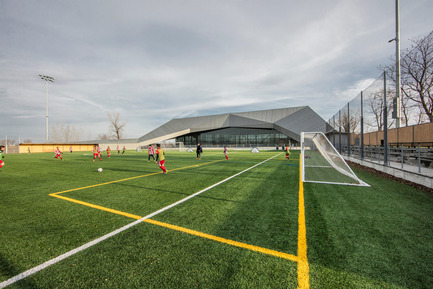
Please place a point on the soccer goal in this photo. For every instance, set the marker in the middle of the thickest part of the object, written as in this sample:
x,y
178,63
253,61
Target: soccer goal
x,y
255,150
321,162
179,145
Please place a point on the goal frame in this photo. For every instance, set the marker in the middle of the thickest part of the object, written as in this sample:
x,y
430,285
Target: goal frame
x,y
350,174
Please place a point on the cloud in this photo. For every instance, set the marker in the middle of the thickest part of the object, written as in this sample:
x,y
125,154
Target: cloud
x,y
153,61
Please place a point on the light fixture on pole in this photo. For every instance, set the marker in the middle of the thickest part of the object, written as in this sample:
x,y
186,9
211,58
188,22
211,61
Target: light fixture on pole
x,y
51,79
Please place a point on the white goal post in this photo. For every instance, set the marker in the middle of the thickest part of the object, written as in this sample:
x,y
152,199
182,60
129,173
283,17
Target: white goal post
x,y
179,145
321,162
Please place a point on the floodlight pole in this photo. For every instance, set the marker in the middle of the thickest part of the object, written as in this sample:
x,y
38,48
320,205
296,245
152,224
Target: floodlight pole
x,y
51,79
397,66
398,72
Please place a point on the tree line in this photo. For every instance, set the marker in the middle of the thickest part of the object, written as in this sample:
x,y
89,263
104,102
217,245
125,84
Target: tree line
x,y
66,133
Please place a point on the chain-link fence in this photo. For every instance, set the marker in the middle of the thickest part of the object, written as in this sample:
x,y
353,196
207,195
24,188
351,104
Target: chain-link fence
x,y
366,128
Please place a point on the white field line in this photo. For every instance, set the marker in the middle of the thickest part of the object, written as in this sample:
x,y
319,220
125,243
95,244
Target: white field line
x,y
109,235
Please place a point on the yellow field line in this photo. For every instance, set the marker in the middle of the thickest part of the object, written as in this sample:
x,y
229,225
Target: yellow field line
x,y
97,207
226,241
303,267
188,231
127,179
102,184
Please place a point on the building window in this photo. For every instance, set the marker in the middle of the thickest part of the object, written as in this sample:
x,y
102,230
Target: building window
x,y
237,137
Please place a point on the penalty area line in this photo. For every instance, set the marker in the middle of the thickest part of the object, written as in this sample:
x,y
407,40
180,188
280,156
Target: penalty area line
x,y
115,232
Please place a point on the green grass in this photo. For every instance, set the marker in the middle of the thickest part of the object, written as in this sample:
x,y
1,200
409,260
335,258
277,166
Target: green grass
x,y
357,237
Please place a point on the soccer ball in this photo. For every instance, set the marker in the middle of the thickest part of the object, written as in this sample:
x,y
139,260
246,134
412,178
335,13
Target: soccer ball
x,y
100,170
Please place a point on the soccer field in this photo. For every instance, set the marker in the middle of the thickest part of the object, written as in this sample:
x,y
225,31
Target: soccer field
x,y
243,223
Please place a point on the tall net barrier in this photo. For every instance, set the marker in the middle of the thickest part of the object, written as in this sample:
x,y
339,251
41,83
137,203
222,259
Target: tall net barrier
x,y
377,107
380,127
362,115
360,127
321,162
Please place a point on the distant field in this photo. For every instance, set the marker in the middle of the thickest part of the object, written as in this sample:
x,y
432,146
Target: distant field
x,y
245,232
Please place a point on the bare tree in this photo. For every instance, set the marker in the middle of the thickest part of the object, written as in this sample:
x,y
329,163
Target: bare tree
x,y
407,110
11,141
116,126
351,122
104,137
417,75
413,113
63,133
376,105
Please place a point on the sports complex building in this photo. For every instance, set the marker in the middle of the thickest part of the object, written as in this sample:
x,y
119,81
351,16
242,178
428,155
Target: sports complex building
x,y
264,128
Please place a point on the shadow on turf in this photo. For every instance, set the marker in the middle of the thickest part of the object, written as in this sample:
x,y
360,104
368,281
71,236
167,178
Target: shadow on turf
x,y
9,270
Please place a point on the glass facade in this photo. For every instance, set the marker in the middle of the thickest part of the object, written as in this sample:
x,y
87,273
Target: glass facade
x,y
237,137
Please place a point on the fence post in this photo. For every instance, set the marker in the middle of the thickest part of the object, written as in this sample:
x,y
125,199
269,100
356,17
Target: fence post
x,y
339,131
402,156
333,126
385,123
362,127
379,154
419,158
348,129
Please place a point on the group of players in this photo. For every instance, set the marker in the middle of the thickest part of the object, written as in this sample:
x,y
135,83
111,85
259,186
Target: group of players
x,y
96,152
160,159
159,152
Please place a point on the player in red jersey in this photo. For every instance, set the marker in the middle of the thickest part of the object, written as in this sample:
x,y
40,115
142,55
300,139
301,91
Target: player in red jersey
x,y
150,153
58,154
96,152
225,153
160,158
108,150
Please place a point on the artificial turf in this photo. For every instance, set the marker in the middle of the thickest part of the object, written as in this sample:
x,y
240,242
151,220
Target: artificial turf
x,y
357,237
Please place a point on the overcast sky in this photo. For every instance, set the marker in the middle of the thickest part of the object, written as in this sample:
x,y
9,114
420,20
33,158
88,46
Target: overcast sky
x,y
153,61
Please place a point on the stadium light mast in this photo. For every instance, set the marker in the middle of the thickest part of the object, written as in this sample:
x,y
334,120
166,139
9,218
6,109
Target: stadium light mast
x,y
51,79
397,65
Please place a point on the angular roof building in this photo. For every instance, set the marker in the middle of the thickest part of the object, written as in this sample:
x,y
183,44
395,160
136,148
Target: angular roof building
x,y
264,128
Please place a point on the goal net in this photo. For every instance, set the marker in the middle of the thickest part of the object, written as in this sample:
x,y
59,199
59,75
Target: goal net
x,y
321,162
